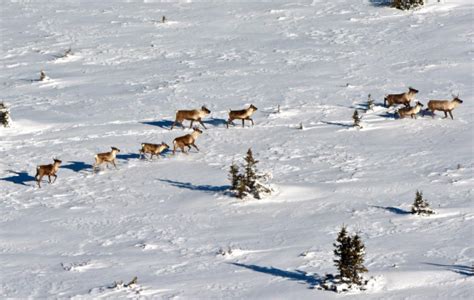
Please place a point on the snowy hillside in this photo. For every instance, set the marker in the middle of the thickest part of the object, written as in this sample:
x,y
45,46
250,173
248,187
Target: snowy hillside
x,y
165,220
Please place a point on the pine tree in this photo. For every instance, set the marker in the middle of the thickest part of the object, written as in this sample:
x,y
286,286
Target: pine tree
x,y
68,52
407,4
250,174
356,118
242,189
357,260
42,75
4,115
370,103
341,252
234,176
349,252
421,206
247,182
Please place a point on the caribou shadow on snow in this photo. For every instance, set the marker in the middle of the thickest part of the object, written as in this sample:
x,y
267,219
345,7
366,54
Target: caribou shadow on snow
x,y
365,106
165,124
460,269
204,188
297,275
19,178
215,122
427,112
389,115
394,210
128,156
77,166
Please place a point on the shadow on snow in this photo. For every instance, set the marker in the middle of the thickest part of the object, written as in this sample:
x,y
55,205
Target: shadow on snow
x,y
77,166
165,124
297,275
338,124
215,122
394,210
128,156
19,178
460,269
380,2
389,115
190,186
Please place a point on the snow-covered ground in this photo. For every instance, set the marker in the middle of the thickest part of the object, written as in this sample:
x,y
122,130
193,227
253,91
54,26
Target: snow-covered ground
x,y
165,221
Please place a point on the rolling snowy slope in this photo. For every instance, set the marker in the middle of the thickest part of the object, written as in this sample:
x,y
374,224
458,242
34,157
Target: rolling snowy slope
x,y
165,221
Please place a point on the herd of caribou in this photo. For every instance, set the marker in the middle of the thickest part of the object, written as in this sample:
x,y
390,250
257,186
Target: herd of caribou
x,y
187,140
196,115
445,106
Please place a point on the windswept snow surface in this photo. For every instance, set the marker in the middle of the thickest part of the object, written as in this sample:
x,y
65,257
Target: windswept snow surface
x,y
164,221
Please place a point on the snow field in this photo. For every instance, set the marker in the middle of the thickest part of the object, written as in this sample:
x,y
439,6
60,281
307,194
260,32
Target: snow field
x,y
164,221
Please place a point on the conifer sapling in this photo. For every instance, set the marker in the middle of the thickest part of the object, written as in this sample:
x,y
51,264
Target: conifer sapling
x,y
341,253
234,176
357,255
356,119
248,182
251,174
370,103
349,252
4,115
42,75
407,4
421,206
242,189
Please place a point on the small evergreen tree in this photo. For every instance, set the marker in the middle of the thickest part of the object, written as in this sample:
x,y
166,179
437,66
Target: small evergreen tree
x,y
349,252
370,103
356,118
357,260
247,182
68,52
42,75
341,252
407,4
421,206
234,176
4,115
250,174
242,189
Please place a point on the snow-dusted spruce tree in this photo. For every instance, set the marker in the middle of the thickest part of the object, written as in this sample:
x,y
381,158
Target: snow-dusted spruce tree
x,y
421,206
356,118
242,190
234,177
249,181
341,251
250,174
407,4
253,179
349,252
357,262
4,115
68,52
370,103
42,75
